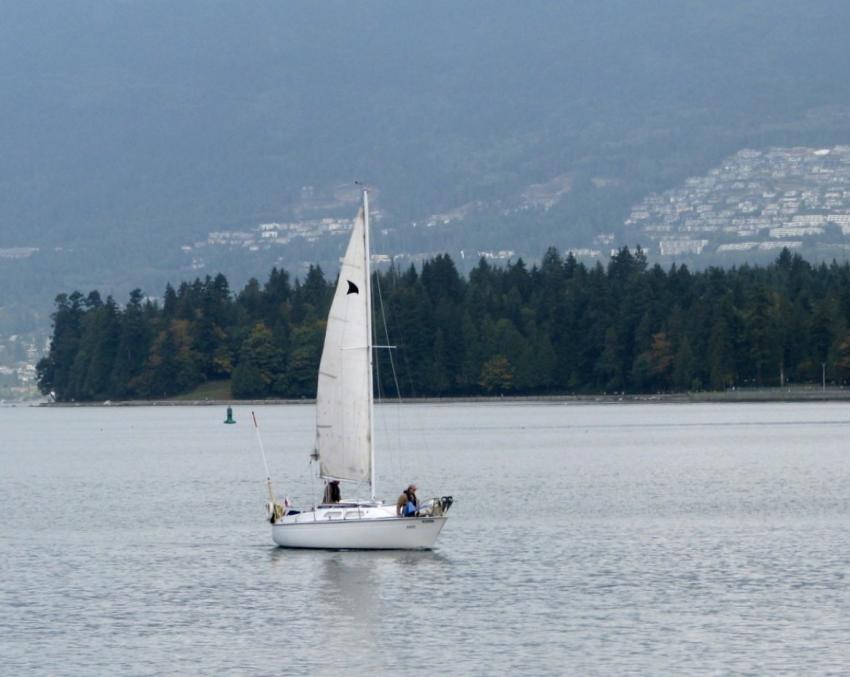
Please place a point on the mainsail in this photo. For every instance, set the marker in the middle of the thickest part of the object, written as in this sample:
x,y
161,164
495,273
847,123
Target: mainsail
x,y
343,399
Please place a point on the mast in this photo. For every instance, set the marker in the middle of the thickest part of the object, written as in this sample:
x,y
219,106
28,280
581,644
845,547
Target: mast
x,y
369,347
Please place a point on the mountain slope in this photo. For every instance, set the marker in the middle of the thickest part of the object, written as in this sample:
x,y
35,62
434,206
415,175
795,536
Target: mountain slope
x,y
130,129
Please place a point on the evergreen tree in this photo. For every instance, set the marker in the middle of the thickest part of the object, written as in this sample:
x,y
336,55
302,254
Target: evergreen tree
x,y
258,356
133,345
248,382
107,336
720,356
169,303
307,342
609,368
54,371
163,366
471,365
684,369
438,382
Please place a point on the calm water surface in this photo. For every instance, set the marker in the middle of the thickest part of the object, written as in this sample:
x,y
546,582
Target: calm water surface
x,y
585,539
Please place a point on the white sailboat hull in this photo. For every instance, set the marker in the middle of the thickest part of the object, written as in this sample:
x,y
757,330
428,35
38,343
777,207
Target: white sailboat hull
x,y
382,533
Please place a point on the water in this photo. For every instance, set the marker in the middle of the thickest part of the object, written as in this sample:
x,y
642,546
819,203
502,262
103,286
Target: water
x,y
585,539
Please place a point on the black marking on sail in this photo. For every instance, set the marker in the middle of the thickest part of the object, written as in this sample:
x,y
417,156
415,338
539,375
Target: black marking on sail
x,y
352,288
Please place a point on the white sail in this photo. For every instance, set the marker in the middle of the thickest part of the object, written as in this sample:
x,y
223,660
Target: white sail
x,y
343,399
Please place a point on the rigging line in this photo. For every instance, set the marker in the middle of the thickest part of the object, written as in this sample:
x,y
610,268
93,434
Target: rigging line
x,y
378,380
397,445
417,464
387,335
379,388
408,370
419,446
412,391
389,452
376,355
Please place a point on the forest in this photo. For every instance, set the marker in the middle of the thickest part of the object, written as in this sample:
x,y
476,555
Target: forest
x,y
559,327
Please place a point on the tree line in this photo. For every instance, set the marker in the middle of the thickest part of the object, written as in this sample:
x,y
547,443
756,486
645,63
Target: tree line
x,y
557,327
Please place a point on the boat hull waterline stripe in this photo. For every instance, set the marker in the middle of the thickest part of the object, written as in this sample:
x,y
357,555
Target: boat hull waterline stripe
x,y
393,533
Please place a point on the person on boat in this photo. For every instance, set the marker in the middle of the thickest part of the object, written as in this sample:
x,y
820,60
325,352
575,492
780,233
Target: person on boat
x,y
407,504
332,494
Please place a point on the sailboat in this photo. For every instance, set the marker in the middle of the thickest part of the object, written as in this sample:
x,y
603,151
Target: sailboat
x,y
344,430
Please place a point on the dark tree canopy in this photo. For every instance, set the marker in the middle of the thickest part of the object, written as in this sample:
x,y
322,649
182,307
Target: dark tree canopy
x,y
559,327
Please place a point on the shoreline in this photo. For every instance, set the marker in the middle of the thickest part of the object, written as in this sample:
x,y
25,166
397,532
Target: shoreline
x,y
728,396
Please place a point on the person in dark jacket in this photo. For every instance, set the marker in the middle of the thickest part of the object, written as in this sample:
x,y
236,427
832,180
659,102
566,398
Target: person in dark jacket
x,y
407,504
332,494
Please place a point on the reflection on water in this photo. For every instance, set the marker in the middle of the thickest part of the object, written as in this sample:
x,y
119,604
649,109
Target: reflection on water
x,y
349,592
592,540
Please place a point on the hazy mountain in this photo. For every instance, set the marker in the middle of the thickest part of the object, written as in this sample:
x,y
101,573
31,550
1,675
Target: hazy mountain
x,y
132,128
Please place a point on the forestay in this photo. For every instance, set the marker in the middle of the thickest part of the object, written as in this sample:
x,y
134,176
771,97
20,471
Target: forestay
x,y
343,427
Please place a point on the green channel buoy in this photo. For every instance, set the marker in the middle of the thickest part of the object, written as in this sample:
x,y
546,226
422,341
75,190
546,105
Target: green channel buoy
x,y
230,418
